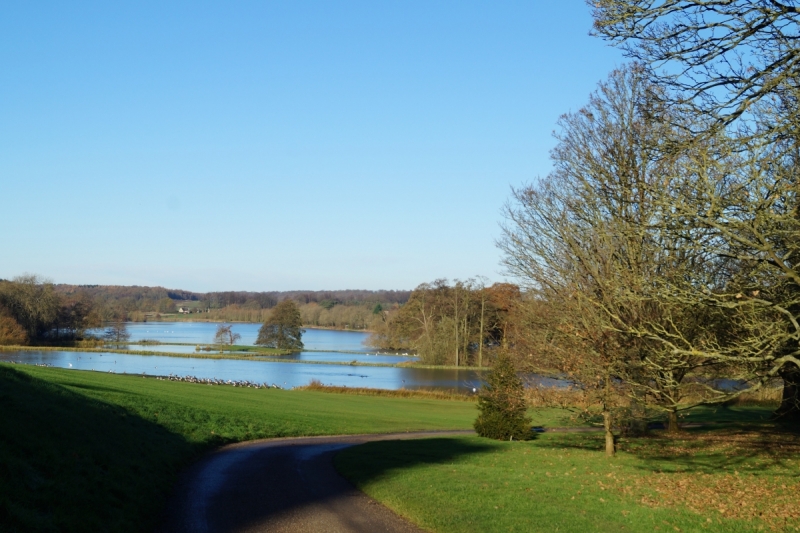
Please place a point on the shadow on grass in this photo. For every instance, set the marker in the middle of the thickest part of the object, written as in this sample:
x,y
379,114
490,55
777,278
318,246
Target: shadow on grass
x,y
747,449
71,463
388,456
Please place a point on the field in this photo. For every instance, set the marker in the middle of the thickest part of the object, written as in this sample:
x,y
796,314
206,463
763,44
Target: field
x,y
84,451
732,479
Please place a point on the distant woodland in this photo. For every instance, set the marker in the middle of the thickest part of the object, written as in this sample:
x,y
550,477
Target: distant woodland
x,y
32,308
462,323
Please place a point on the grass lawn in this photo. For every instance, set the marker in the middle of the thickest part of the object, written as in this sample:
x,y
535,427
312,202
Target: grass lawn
x,y
85,451
726,480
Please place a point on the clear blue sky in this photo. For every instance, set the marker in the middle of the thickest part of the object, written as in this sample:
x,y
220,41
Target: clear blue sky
x,y
277,145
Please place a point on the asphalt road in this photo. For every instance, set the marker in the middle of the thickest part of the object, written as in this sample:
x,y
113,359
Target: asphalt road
x,y
280,485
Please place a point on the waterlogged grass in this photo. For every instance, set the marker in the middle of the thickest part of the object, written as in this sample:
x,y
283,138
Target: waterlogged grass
x,y
202,354
259,350
720,481
235,352
85,451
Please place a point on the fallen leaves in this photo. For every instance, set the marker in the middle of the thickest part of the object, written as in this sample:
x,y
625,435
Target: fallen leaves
x,y
733,494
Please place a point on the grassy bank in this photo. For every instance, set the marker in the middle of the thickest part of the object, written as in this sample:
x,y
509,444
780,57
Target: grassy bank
x,y
736,479
85,451
240,354
316,385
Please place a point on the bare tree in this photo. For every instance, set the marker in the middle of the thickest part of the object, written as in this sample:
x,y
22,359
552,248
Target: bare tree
x,y
587,241
739,212
720,56
733,62
225,336
117,331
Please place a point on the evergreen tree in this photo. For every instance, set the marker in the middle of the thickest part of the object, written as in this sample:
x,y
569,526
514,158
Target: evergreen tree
x,y
502,404
283,328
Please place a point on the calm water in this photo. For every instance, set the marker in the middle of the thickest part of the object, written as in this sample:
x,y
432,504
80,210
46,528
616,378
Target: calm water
x,y
341,357
280,373
333,346
203,333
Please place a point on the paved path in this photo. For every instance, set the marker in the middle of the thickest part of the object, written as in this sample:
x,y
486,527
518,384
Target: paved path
x,y
280,485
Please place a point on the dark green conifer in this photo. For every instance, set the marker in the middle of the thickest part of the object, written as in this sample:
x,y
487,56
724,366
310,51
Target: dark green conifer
x,y
502,404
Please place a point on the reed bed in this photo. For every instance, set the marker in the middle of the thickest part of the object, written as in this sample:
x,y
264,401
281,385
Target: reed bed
x,y
562,397
316,385
252,356
766,397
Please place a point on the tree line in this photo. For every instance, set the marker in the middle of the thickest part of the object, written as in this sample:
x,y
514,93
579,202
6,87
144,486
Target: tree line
x,y
137,303
31,309
445,323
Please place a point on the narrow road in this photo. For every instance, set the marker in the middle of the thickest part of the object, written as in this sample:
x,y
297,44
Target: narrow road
x,y
280,485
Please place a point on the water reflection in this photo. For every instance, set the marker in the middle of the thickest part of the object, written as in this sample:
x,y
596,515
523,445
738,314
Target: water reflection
x,y
283,374
332,345
341,357
203,333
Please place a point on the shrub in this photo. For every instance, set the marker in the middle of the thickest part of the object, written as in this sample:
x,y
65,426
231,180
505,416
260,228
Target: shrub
x,y
502,404
10,331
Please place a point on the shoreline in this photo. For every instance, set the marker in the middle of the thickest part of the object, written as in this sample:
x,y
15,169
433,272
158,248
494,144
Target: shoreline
x,y
173,318
262,358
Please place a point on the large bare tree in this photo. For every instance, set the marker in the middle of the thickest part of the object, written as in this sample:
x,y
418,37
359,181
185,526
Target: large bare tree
x,y
589,241
738,212
720,56
735,63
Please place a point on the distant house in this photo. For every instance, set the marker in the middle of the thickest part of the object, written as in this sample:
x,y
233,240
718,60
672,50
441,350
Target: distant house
x,y
184,310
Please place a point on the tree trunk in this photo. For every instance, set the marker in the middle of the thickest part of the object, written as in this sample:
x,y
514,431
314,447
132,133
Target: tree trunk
x,y
672,423
637,426
480,336
456,323
610,448
790,402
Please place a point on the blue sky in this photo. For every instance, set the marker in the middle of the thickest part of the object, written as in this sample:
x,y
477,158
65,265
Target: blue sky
x,y
277,145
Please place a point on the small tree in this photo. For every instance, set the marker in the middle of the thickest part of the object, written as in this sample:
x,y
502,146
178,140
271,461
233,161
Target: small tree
x,y
502,404
225,335
283,328
117,331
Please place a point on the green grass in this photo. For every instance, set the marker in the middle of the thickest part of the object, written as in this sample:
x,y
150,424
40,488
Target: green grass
x,y
202,354
701,481
85,451
214,347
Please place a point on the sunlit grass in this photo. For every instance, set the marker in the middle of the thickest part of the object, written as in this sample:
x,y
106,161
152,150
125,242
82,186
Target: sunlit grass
x,y
700,481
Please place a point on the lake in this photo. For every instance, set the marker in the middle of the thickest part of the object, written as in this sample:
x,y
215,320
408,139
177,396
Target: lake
x,y
336,347
203,333
284,374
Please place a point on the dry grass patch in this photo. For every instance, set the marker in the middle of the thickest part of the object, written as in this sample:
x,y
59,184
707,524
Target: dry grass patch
x,y
317,385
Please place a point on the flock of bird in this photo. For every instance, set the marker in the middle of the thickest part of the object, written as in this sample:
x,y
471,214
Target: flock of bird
x,y
192,379
215,381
